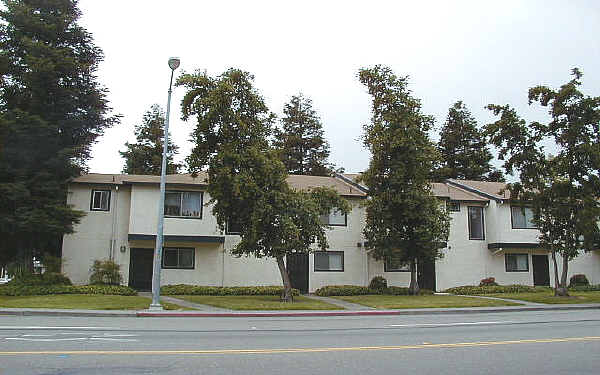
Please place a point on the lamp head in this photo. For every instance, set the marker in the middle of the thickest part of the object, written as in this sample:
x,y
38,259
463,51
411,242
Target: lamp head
x,y
174,63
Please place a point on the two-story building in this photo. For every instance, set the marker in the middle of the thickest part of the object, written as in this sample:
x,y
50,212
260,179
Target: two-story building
x,y
489,237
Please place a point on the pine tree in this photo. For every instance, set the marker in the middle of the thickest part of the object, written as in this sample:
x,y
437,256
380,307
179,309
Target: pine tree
x,y
300,142
464,150
405,221
52,109
145,156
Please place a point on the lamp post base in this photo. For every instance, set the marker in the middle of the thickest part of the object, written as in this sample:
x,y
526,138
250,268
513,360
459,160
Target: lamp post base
x,y
157,307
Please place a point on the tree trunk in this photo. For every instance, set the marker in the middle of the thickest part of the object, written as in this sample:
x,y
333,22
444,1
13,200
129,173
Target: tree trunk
x,y
286,295
556,282
414,283
562,289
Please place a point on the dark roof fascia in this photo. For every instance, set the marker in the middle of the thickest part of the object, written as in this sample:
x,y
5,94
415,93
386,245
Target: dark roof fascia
x,y
513,245
475,191
360,187
172,184
177,238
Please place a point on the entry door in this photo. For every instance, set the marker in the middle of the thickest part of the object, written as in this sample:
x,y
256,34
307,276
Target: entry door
x,y
297,266
426,275
541,270
140,269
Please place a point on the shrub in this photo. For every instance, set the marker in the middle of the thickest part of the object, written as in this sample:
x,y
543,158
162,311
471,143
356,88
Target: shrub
x,y
47,278
198,290
578,280
476,290
39,290
51,263
585,288
378,282
105,272
356,290
490,281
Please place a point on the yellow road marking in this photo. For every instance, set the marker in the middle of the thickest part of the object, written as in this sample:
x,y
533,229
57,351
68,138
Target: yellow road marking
x,y
307,350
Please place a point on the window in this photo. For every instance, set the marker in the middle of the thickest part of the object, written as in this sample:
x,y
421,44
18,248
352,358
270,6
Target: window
x,y
183,204
393,265
476,229
335,218
516,262
100,200
329,261
453,206
522,217
178,258
233,227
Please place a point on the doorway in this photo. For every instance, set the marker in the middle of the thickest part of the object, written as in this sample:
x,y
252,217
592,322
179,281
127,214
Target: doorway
x,y
140,269
426,274
297,266
541,270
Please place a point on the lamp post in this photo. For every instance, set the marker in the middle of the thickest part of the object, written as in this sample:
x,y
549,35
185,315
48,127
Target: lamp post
x,y
155,305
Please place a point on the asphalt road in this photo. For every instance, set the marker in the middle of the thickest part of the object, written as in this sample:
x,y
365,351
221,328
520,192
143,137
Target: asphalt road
x,y
552,342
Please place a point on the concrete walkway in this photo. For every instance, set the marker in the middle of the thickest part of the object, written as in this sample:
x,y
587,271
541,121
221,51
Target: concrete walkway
x,y
180,302
340,303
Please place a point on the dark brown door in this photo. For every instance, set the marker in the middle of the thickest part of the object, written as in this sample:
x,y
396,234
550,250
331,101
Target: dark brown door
x,y
140,269
297,266
541,270
426,275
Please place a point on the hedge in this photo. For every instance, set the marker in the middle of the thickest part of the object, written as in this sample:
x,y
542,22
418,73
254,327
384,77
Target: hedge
x,y
39,290
585,288
469,290
46,278
356,290
198,290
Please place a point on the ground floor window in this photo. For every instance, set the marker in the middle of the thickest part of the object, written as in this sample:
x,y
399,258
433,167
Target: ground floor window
x,y
516,262
329,261
393,265
182,258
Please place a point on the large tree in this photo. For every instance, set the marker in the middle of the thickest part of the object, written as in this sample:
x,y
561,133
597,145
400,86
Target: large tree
x,y
300,141
52,109
405,221
464,150
246,180
560,183
145,156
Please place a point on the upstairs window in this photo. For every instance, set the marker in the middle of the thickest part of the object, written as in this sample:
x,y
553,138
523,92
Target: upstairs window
x,y
453,206
100,200
335,218
476,228
522,217
183,204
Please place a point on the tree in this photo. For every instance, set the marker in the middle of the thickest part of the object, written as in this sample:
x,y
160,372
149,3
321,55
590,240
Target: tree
x,y
405,221
246,180
302,147
563,189
145,156
464,149
52,109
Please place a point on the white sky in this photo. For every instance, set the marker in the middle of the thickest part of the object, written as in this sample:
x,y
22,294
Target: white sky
x,y
480,52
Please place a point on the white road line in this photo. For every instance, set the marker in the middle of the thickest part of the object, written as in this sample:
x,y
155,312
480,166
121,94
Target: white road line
x,y
68,328
38,335
47,340
112,339
114,335
448,324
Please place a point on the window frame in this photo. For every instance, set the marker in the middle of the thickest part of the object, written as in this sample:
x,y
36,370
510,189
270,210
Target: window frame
x,y
514,254
336,225
327,252
448,205
388,269
178,267
512,221
181,204
228,231
482,223
92,200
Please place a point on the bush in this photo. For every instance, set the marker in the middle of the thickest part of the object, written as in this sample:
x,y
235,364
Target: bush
x,y
578,280
40,290
198,290
490,281
51,263
105,272
378,282
47,278
585,288
356,290
476,290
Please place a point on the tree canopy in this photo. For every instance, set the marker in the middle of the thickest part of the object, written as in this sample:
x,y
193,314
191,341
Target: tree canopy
x,y
145,156
246,180
562,186
52,109
405,221
463,148
300,141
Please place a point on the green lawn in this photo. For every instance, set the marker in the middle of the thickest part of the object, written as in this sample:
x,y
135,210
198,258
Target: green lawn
x,y
260,303
82,301
548,297
418,302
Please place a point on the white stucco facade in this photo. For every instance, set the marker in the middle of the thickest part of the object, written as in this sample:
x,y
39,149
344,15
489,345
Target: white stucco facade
x,y
125,233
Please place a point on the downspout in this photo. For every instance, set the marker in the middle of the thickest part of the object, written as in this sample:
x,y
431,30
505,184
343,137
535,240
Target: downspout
x,y
223,265
113,240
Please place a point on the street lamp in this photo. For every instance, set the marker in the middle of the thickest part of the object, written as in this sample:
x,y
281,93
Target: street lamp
x,y
155,305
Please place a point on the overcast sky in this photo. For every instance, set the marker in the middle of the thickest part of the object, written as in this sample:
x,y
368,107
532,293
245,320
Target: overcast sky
x,y
480,52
